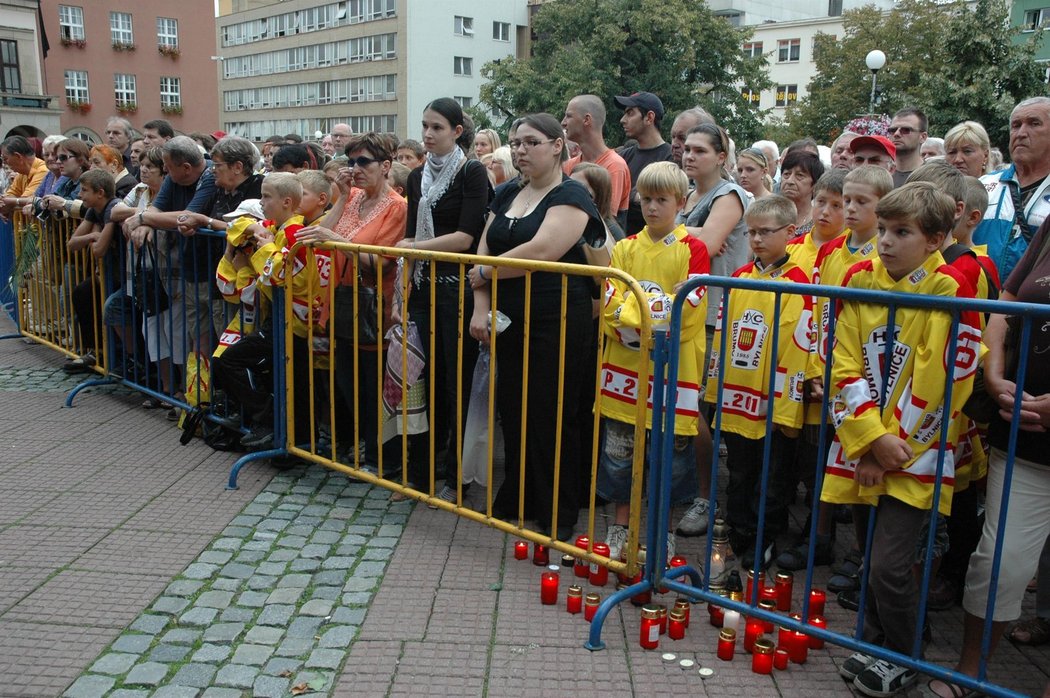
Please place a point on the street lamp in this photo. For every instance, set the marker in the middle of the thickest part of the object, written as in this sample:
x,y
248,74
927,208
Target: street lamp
x,y
875,60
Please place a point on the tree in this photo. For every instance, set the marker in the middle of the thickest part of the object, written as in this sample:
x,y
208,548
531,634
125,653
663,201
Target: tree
x,y
951,61
676,49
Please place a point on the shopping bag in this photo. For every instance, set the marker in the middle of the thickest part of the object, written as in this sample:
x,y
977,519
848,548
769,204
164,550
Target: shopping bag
x,y
476,430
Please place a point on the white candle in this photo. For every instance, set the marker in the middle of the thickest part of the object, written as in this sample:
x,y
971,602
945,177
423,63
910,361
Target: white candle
x,y
731,620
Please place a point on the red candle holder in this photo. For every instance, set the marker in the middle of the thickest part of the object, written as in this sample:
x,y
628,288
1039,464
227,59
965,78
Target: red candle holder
x,y
683,606
780,659
771,606
676,625
751,583
716,614
768,594
726,644
784,585
590,606
798,650
549,586
580,568
574,599
599,574
816,643
649,634
817,599
642,597
521,550
784,637
753,630
541,557
762,657
663,617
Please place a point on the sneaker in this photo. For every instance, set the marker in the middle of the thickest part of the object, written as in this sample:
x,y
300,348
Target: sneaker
x,y
884,678
616,538
855,664
748,560
260,438
849,600
795,558
82,364
670,545
447,494
694,521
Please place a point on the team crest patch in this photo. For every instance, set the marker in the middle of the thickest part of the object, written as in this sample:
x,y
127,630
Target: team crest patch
x,y
917,276
749,334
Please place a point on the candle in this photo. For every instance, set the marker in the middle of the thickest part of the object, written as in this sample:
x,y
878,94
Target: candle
x,y
784,637
549,586
676,625
590,606
676,561
751,584
798,650
599,574
732,620
816,643
649,634
752,631
726,644
716,614
574,599
762,658
768,594
568,561
580,567
771,606
780,658
683,606
643,597
663,618
784,585
817,598
521,550
540,555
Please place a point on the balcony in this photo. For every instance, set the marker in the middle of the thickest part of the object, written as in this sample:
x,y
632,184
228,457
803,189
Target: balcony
x,y
24,101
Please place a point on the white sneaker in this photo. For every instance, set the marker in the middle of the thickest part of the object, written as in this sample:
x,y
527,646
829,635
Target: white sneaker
x,y
670,546
447,494
616,538
694,521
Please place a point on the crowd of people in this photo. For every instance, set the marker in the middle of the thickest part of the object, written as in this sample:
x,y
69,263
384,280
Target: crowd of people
x,y
898,210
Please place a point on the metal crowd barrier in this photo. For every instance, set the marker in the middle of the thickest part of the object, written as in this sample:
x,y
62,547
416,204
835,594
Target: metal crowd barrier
x,y
339,445
656,574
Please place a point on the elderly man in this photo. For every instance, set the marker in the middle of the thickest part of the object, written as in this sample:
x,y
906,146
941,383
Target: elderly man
x,y
340,137
583,122
932,148
874,150
841,156
119,134
1005,229
908,133
690,118
18,154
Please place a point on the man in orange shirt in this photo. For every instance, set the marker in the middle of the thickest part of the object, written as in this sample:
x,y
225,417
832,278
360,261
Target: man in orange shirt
x,y
583,121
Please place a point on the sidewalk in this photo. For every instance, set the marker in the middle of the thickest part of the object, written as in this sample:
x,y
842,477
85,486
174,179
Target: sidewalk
x,y
126,569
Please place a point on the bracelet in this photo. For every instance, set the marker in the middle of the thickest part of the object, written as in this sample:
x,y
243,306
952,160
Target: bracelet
x,y
481,272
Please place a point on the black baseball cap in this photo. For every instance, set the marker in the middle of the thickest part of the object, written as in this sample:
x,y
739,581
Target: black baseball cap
x,y
646,101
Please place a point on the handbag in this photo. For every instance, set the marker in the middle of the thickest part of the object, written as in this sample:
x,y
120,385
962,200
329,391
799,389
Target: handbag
x,y
149,295
360,302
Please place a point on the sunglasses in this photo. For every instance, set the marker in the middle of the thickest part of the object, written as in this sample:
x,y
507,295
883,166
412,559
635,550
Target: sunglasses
x,y
360,161
903,130
62,158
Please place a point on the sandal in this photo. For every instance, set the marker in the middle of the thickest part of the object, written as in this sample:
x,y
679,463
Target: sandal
x,y
1031,631
953,690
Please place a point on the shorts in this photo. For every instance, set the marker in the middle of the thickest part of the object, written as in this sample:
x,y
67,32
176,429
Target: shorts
x,y
617,452
118,310
203,303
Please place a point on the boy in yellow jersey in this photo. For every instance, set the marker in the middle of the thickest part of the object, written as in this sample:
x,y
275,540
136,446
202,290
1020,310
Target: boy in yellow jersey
x,y
829,219
661,256
748,319
888,412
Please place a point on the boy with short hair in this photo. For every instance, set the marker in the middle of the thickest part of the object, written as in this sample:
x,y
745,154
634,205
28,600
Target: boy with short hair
x,y
829,219
317,197
410,153
398,177
749,319
888,422
662,255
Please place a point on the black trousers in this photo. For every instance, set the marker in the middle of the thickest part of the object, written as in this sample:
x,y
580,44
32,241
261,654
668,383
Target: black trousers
x,y
744,461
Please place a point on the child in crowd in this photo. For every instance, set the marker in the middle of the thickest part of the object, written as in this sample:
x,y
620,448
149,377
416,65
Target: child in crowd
x,y
317,196
410,153
740,379
661,256
829,220
888,426
398,177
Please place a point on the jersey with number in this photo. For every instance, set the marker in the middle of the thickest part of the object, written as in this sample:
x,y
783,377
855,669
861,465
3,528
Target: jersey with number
x,y
892,381
748,323
803,250
658,266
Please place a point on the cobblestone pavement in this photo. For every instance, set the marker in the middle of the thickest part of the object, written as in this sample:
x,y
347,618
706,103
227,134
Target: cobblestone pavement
x,y
127,570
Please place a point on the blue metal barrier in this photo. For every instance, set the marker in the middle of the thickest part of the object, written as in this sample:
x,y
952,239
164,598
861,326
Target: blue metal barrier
x,y
7,266
666,360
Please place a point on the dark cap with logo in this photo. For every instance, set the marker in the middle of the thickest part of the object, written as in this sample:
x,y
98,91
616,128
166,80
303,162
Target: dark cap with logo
x,y
646,101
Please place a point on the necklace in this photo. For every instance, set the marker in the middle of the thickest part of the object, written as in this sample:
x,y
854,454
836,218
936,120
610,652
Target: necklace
x,y
535,195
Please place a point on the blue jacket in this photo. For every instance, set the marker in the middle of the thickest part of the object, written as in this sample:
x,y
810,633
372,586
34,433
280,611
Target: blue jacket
x,y
999,229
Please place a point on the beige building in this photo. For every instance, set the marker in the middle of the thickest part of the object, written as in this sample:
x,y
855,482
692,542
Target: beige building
x,y
26,108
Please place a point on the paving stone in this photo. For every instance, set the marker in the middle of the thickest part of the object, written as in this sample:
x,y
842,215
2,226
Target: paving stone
x,y
90,687
284,596
183,587
316,607
252,599
258,545
279,665
270,687
200,570
304,627
339,562
146,674
257,509
236,532
223,632
237,570
251,557
326,537
276,614
226,584
327,593
176,692
390,530
325,659
339,636
301,529
255,655
295,646
214,599
260,582
292,542
349,550
282,555
340,512
172,605
360,584
349,616
285,514
330,577
266,497
181,636
168,654
216,692
194,674
149,624
114,663
198,616
230,543
315,551
133,644
272,524
300,581
215,557
315,510
246,520
357,534
305,565
370,568
212,653
237,675
237,614
263,635
378,553
382,542
357,598
129,693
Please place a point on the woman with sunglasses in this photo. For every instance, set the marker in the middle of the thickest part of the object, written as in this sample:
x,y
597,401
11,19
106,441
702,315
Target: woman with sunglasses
x,y
72,155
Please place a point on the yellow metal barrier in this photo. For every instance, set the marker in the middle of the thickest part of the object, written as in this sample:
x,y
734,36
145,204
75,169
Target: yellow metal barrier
x,y
320,333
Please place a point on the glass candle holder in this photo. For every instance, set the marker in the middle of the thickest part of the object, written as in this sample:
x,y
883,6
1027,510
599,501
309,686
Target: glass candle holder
x,y
521,550
568,562
663,617
649,633
817,599
590,606
716,614
574,599
784,637
549,586
676,625
683,606
749,587
768,594
816,643
771,606
780,659
762,657
598,575
726,644
541,557
753,630
580,568
784,585
798,650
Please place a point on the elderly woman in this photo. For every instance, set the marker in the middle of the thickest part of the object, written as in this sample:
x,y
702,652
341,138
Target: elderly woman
x,y
501,166
544,219
967,148
368,212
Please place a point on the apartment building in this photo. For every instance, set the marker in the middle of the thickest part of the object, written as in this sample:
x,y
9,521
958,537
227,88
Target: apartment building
x,y
26,108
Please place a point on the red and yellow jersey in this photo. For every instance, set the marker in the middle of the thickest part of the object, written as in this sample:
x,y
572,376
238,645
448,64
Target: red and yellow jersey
x,y
873,393
749,361
803,250
658,266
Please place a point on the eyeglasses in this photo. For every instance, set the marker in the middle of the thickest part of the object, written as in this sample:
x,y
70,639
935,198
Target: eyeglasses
x,y
528,145
63,158
903,130
762,232
360,161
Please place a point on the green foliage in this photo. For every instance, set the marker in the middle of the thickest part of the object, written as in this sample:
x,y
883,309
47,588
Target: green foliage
x,y
674,48
951,61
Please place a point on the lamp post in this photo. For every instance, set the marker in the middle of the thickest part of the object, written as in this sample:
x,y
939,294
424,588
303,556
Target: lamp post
x,y
875,60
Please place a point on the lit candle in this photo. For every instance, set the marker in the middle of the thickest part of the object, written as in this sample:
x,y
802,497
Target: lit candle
x,y
676,625
683,606
549,586
751,583
752,631
816,643
590,606
771,606
580,569
768,594
798,650
521,550
663,618
780,658
785,582
599,574
817,598
732,620
784,637
762,658
568,561
726,644
574,599
649,633
540,555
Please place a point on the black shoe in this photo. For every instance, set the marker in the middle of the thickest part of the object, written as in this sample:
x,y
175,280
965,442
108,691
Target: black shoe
x,y
747,562
260,438
795,558
850,600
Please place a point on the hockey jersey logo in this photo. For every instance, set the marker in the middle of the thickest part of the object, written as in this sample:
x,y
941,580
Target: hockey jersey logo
x,y
749,335
882,374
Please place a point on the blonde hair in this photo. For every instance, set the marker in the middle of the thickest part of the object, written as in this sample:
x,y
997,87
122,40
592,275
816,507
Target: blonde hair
x,y
976,198
922,203
494,139
663,178
873,176
286,185
315,182
502,156
969,133
780,208
398,176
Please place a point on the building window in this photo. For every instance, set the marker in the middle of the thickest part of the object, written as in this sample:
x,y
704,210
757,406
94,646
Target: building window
x,y
10,75
462,65
786,94
170,92
71,23
124,90
167,32
834,8
464,26
77,86
1036,19
789,50
752,97
120,28
465,102
501,31
753,49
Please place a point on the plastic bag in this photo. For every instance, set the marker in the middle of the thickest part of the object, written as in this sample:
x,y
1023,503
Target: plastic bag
x,y
404,351
476,429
